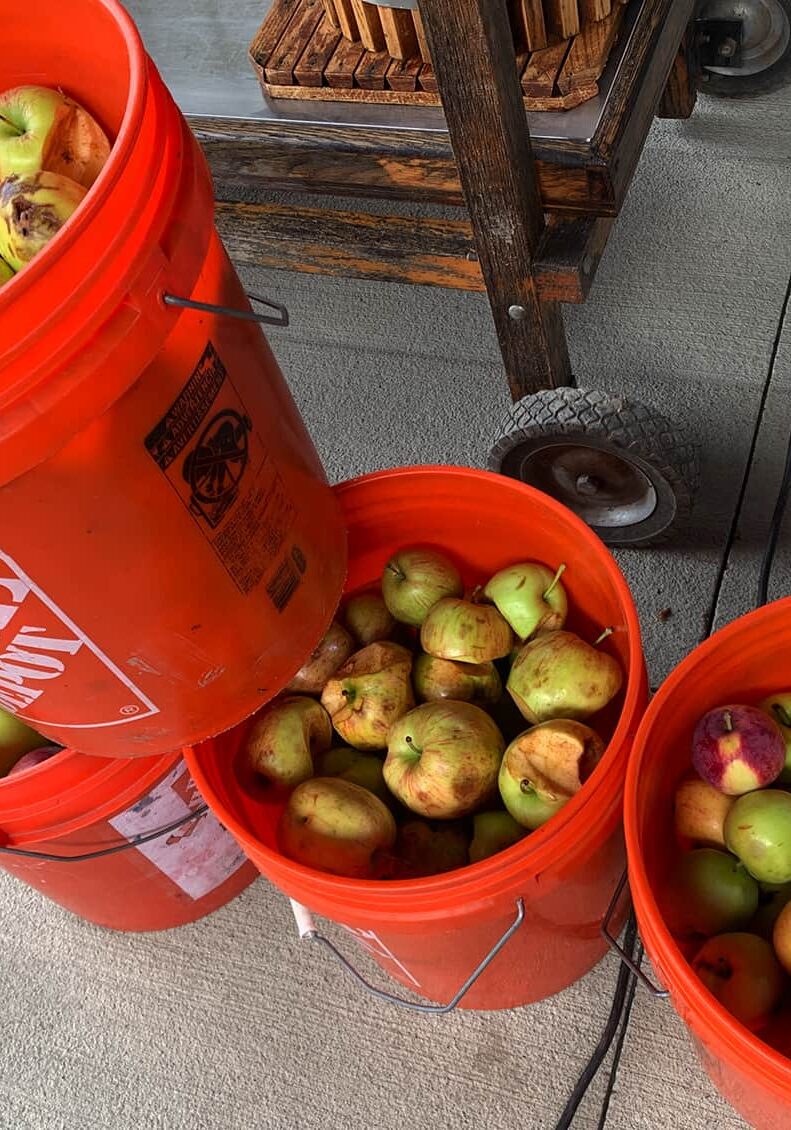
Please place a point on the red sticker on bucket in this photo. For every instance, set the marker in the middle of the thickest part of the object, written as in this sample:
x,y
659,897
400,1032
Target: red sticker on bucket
x,y
44,655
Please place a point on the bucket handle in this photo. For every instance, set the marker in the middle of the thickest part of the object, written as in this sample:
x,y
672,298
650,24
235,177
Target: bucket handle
x,y
136,841
307,930
282,318
614,944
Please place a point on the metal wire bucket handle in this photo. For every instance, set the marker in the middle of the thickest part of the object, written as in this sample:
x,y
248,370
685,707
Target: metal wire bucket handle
x,y
614,944
307,930
281,320
136,841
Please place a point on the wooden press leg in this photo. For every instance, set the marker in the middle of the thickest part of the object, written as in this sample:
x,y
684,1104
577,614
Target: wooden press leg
x,y
681,93
473,55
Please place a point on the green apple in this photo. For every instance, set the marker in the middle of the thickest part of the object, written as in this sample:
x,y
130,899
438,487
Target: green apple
x,y
435,679
713,893
333,650
465,631
781,937
544,767
32,212
336,826
414,579
370,692
367,618
758,830
700,811
493,832
433,847
286,737
16,739
744,975
6,272
364,769
778,707
530,597
442,759
559,675
42,130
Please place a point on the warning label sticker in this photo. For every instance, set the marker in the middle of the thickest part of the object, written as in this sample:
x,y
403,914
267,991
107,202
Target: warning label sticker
x,y
213,458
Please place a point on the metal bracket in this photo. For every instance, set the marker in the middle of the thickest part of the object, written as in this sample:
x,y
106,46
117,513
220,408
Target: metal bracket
x,y
615,945
281,320
719,42
308,931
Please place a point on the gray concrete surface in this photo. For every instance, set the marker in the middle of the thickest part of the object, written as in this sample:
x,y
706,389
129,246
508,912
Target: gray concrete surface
x,y
233,1024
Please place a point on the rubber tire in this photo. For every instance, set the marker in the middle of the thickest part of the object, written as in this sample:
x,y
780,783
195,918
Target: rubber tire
x,y
631,430
751,86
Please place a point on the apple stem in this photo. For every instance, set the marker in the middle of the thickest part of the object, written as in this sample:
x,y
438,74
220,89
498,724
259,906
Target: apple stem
x,y
607,632
781,714
394,569
555,579
728,720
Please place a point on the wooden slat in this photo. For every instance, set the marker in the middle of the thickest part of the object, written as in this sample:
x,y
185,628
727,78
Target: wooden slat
x,y
279,68
529,18
339,72
371,70
369,25
399,32
271,31
681,90
593,10
347,21
428,80
543,68
562,17
420,32
309,70
331,12
568,256
403,76
589,52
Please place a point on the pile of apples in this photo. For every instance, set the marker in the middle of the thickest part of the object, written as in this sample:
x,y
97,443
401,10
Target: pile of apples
x,y
732,884
51,152
388,747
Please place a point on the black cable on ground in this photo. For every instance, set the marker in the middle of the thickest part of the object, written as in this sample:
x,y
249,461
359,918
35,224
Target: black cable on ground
x,y
616,1059
775,527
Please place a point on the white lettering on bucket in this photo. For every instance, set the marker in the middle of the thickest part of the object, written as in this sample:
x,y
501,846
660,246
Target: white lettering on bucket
x,y
46,645
374,944
198,857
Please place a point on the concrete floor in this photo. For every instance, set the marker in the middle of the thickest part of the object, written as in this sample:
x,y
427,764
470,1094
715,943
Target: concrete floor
x,y
233,1024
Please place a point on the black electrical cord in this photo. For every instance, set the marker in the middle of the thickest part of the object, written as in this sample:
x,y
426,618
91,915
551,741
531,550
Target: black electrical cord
x,y
616,1059
775,526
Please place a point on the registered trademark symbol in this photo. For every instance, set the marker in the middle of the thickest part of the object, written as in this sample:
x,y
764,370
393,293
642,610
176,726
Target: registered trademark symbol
x,y
130,710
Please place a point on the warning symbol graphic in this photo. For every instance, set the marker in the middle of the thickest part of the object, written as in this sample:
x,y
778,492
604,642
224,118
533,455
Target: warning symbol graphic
x,y
214,467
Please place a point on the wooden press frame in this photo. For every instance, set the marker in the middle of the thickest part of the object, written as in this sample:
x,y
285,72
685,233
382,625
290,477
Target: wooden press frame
x,y
538,215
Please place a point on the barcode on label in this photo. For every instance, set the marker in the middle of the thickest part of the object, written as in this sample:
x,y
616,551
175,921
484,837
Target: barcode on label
x,y
283,585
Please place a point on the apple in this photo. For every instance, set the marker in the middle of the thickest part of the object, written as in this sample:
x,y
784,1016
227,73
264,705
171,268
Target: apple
x,y
414,579
778,707
700,811
363,769
367,618
334,649
32,212
44,130
493,832
544,767
465,631
369,693
33,759
758,830
530,597
744,975
16,739
6,272
559,675
712,893
436,679
442,759
285,738
781,936
772,899
426,848
738,749
336,826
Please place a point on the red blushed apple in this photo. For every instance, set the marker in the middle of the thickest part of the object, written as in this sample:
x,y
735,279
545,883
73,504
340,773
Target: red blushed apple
x,y
742,972
700,811
737,749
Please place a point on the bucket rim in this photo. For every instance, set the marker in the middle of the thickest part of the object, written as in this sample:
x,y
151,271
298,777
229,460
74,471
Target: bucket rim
x,y
756,1057
520,864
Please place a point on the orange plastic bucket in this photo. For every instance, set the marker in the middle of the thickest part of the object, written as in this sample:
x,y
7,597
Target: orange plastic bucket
x,y
744,662
94,808
170,549
430,934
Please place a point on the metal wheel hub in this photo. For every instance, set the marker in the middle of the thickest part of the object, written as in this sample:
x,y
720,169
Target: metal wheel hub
x,y
604,488
766,32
